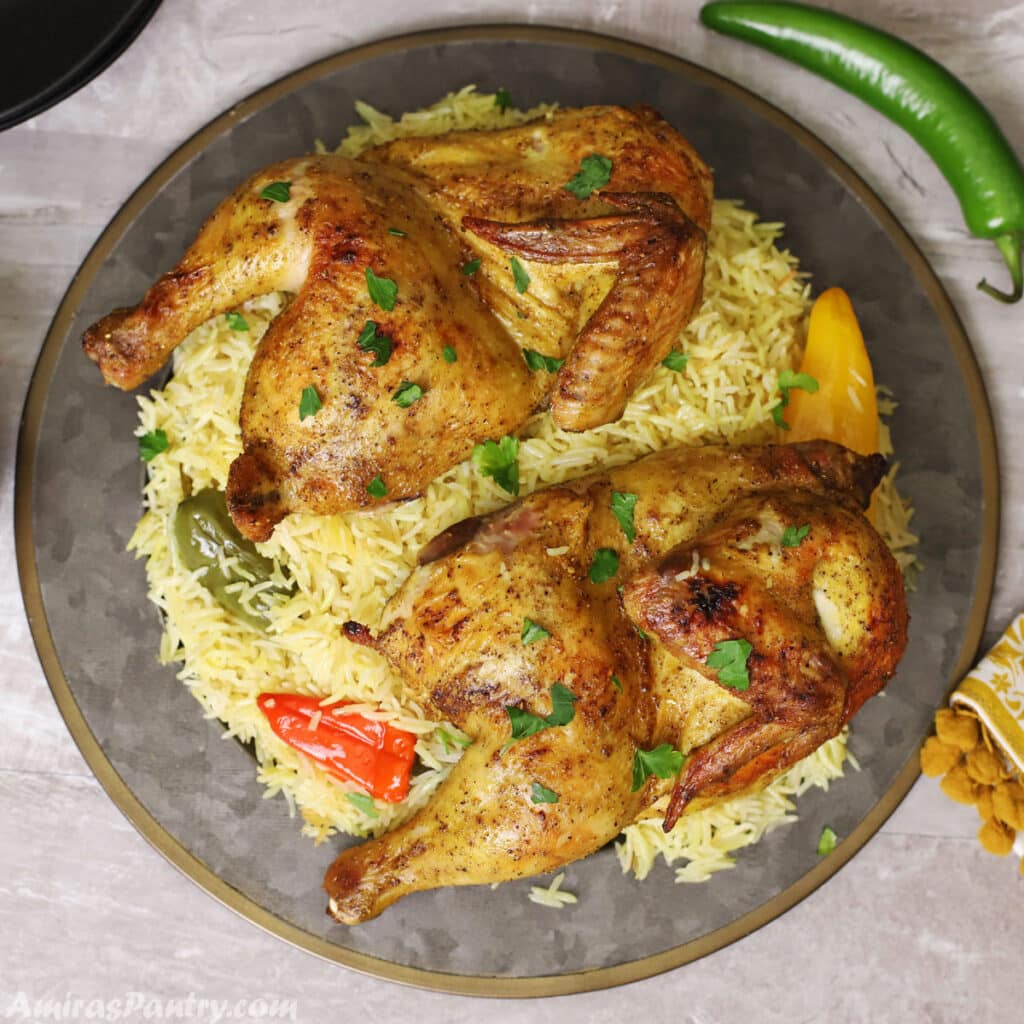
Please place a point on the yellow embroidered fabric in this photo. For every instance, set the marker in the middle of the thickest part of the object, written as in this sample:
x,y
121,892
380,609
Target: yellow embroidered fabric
x,y
994,691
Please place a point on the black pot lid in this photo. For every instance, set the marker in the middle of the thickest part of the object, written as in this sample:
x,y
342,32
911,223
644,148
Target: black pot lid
x,y
56,46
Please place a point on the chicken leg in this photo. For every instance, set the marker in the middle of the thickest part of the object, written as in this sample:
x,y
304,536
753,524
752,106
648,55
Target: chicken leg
x,y
461,653
250,246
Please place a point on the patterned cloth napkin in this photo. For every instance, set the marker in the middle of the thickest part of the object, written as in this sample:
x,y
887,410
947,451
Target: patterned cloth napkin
x,y
994,691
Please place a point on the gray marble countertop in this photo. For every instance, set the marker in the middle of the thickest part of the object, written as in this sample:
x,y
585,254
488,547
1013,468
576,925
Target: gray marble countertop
x,y
920,926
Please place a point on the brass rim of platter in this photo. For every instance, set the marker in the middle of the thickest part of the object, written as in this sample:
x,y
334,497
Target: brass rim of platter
x,y
193,867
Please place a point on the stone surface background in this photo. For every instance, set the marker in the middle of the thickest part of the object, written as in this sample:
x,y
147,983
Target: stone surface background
x,y
920,926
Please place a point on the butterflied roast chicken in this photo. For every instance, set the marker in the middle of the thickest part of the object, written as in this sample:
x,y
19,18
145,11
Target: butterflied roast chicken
x,y
730,604
422,273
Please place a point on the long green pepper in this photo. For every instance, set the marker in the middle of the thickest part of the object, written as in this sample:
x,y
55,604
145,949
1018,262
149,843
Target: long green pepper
x,y
915,92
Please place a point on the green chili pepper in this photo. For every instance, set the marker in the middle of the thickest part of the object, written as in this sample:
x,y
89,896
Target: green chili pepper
x,y
915,92
206,539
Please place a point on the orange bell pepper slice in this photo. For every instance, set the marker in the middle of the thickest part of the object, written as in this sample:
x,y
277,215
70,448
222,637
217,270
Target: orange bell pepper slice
x,y
844,409
374,755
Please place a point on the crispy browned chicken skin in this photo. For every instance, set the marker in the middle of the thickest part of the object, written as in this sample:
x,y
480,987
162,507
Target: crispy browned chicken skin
x,y
826,620
613,280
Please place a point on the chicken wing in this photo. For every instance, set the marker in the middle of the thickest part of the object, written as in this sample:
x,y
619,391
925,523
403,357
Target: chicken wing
x,y
819,609
605,284
826,621
517,176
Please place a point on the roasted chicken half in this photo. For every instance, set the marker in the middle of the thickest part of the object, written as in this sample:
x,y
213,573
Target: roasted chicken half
x,y
491,256
825,618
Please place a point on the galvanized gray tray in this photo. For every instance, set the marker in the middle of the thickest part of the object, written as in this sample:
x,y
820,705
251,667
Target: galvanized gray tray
x,y
195,797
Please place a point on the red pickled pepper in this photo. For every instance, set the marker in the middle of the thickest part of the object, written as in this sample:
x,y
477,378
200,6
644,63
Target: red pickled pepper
x,y
373,754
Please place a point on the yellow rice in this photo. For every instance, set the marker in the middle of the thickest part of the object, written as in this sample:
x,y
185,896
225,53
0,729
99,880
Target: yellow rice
x,y
750,327
553,895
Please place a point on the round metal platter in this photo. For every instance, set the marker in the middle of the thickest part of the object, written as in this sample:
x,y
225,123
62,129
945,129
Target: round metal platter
x,y
196,798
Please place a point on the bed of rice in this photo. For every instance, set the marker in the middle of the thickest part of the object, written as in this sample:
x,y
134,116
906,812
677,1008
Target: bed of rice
x,y
749,327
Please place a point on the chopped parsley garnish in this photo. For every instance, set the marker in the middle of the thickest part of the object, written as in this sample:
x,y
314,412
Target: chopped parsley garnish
x,y
827,841
471,267
676,360
449,741
730,658
371,340
309,404
364,803
449,354
152,444
663,761
604,565
535,361
562,701
407,393
277,191
543,795
594,173
532,632
520,277
499,460
788,380
397,232
383,291
792,536
236,321
525,723
617,683
623,507
502,99
376,488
